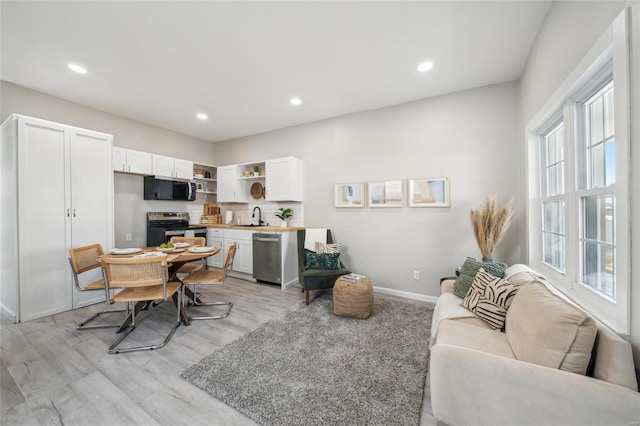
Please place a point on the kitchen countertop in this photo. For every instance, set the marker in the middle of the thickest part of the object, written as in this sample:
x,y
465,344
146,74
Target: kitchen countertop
x,y
252,228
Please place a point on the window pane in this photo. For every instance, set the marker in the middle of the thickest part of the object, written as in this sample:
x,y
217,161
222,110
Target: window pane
x,y
596,119
552,156
553,234
555,179
608,114
597,166
554,217
554,251
610,162
598,218
598,267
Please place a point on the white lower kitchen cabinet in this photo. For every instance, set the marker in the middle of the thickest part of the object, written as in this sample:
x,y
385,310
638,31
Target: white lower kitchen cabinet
x,y
215,238
243,261
57,186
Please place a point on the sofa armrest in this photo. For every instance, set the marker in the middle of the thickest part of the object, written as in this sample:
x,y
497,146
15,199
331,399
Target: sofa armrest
x,y
446,286
473,387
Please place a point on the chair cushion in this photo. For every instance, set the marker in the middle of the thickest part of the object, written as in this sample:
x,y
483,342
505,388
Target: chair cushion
x,y
95,285
189,267
141,294
209,276
325,272
545,329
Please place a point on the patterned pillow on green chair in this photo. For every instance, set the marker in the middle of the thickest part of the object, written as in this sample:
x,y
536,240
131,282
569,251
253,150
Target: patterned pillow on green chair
x,y
322,261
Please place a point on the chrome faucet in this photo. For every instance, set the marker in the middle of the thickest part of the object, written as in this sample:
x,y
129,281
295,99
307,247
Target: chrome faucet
x,y
260,222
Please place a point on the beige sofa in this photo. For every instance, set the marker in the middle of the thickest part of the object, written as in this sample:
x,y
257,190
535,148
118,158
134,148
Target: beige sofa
x,y
533,372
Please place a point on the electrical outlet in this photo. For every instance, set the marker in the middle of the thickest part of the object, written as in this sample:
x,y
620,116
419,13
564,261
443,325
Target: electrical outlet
x,y
416,275
127,237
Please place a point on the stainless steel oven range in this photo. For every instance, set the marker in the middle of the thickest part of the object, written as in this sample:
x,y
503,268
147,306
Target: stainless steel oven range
x,y
161,226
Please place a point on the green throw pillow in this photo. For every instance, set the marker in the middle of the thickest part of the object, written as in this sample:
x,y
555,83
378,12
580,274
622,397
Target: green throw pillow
x,y
322,261
469,270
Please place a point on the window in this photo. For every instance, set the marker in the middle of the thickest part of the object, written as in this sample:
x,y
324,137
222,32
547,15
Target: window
x,y
597,198
578,216
553,228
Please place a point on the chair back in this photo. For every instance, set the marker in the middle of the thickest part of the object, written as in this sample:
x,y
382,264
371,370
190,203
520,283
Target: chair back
x,y
228,258
136,272
83,259
194,241
302,255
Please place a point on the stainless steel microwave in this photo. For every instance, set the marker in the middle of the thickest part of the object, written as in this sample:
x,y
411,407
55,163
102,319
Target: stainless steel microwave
x,y
172,190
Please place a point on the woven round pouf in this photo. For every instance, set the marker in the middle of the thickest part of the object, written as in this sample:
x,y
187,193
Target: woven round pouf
x,y
353,299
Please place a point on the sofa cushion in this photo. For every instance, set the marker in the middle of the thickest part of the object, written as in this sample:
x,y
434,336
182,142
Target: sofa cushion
x,y
458,333
489,298
545,329
470,269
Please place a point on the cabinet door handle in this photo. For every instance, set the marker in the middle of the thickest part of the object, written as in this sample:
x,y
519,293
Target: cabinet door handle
x,y
129,168
74,212
68,212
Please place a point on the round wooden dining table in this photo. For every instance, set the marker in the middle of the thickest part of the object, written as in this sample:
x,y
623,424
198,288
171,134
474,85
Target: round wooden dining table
x,y
175,258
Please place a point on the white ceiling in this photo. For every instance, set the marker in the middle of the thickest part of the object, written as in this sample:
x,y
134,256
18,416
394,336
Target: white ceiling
x,y
240,62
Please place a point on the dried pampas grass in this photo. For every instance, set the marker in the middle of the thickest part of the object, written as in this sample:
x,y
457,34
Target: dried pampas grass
x,y
490,223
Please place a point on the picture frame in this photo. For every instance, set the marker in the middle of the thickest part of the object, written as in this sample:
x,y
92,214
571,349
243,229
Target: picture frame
x,y
386,193
349,195
428,192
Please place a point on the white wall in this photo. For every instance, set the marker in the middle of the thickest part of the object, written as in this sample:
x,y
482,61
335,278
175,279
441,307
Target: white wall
x,y
130,208
468,137
568,32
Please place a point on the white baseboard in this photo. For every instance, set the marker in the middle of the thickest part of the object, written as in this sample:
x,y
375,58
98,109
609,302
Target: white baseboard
x,y
10,314
405,294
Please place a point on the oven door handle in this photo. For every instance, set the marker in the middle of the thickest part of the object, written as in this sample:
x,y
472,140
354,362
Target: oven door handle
x,y
174,233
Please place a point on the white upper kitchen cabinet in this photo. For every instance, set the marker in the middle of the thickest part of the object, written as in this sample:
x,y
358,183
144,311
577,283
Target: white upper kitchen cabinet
x,y
283,179
230,188
132,161
57,186
172,167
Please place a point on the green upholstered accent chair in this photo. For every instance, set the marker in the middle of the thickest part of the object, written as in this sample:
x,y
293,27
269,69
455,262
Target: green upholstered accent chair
x,y
315,279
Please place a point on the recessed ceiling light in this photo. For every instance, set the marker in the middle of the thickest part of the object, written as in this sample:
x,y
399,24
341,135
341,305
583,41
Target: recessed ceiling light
x,y
295,101
77,68
425,66
202,116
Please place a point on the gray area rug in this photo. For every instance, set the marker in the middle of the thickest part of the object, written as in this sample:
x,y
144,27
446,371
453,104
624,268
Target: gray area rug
x,y
314,368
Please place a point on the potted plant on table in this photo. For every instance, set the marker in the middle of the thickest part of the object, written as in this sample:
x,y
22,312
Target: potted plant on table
x,y
283,215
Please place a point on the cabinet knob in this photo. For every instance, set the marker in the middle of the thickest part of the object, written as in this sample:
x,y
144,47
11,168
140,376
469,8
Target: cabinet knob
x,y
68,212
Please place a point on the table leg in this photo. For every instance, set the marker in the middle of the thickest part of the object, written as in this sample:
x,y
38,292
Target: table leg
x,y
139,306
183,312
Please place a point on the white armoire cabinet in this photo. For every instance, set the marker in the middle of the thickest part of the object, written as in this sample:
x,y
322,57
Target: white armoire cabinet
x,y
57,193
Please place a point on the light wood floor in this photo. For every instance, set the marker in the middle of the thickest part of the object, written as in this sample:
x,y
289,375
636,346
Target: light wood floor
x,y
53,374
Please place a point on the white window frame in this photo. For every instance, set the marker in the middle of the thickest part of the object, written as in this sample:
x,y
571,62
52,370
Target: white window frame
x,y
611,50
556,122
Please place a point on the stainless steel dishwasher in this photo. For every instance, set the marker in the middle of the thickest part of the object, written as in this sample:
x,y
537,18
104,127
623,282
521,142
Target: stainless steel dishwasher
x,y
267,258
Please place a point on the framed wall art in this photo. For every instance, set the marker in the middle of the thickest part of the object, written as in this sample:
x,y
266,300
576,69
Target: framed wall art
x,y
429,192
349,195
388,193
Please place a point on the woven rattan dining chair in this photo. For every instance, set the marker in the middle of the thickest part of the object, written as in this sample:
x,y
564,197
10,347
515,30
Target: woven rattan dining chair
x,y
84,259
142,279
190,267
212,277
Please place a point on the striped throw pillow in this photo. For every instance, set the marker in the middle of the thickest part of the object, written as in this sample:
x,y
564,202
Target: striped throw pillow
x,y
489,298
327,248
